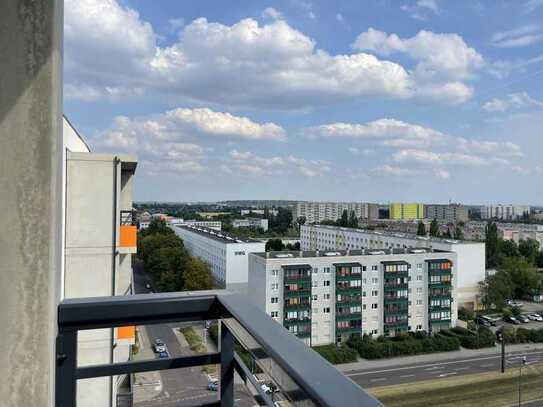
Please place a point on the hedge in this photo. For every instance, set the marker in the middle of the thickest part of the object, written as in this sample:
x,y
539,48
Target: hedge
x,y
470,339
337,354
403,345
523,335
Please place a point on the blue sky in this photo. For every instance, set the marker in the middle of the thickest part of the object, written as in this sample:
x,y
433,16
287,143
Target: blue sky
x,y
384,100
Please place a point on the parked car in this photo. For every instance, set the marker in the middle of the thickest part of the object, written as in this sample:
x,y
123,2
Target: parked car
x,y
535,317
523,318
482,321
159,346
513,303
163,355
213,385
511,320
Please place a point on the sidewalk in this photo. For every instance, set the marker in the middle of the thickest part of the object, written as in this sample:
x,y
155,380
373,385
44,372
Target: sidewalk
x,y
365,364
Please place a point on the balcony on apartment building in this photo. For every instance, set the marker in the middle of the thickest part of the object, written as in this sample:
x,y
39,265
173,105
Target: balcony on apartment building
x,y
303,377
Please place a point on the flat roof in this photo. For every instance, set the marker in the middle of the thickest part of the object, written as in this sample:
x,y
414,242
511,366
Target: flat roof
x,y
214,234
344,253
400,235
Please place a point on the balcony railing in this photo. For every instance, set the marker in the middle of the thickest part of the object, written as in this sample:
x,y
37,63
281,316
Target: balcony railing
x,y
303,376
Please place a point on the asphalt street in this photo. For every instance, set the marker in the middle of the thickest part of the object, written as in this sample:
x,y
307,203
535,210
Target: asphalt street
x,y
180,387
428,371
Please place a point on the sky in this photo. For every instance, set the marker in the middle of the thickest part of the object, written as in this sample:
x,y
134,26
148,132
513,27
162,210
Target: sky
x,y
376,100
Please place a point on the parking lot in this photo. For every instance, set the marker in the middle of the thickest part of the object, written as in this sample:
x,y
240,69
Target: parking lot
x,y
527,308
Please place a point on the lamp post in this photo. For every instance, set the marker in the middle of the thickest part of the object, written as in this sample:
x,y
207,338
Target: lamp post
x,y
522,363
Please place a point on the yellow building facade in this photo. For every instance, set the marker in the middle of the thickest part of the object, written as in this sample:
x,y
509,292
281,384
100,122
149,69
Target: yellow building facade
x,y
406,211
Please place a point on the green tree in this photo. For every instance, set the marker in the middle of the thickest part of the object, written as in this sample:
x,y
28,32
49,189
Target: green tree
x,y
491,245
197,275
157,226
507,248
459,232
434,228
495,290
523,276
421,229
153,242
353,221
448,234
344,220
274,245
529,249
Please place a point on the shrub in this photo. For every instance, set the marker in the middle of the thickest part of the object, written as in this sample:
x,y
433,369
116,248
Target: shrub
x,y
465,314
337,354
522,335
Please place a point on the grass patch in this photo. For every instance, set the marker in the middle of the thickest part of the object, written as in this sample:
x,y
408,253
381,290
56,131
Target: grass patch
x,y
481,389
196,344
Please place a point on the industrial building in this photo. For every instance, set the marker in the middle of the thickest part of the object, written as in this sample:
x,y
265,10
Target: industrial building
x,y
470,262
257,223
325,297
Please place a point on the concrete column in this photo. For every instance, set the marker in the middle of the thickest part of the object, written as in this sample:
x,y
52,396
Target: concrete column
x,y
30,203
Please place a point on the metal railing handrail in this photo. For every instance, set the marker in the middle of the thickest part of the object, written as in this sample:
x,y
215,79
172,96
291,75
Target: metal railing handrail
x,y
323,384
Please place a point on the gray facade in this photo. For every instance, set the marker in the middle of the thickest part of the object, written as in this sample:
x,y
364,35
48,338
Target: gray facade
x,y
449,213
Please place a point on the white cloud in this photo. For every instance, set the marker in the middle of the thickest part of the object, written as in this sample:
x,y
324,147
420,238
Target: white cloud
x,y
506,149
248,163
439,55
358,151
272,14
531,5
422,9
518,100
339,17
445,158
390,132
243,64
518,37
392,171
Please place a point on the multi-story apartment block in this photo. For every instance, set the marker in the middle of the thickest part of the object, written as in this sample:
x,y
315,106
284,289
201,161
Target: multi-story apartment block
x,y
315,212
325,297
406,211
211,224
504,212
99,241
449,213
225,253
251,223
470,255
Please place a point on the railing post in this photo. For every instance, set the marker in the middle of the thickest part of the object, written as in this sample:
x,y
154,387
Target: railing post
x,y
227,367
66,365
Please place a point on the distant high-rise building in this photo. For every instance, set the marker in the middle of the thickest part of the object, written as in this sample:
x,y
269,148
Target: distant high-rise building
x,y
406,211
448,213
504,212
315,212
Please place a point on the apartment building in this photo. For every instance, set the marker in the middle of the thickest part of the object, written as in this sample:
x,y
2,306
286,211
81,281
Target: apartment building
x,y
406,211
324,297
99,241
226,254
504,212
315,212
251,223
470,255
448,213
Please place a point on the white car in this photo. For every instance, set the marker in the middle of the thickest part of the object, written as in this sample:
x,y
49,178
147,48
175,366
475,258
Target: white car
x,y
513,303
535,317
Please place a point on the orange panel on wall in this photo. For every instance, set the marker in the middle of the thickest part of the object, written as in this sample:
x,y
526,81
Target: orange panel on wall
x,y
126,332
128,237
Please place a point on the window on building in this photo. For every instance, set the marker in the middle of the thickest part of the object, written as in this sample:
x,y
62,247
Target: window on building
x,y
275,286
275,272
419,327
326,296
315,270
375,280
327,270
275,314
239,253
315,298
363,306
419,277
419,302
326,283
374,268
326,310
363,293
374,293
314,283
274,300
374,306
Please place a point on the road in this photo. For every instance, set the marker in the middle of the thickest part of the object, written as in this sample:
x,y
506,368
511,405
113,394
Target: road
x,y
180,387
427,371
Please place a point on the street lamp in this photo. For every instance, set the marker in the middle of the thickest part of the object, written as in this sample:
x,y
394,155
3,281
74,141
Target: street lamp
x,y
522,363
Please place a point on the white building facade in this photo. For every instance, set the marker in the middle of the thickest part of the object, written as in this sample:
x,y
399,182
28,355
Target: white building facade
x,y
504,212
226,254
326,297
470,255
315,212
251,223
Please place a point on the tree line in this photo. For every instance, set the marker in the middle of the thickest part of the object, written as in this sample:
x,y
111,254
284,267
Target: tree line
x,y
516,274
168,261
457,233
